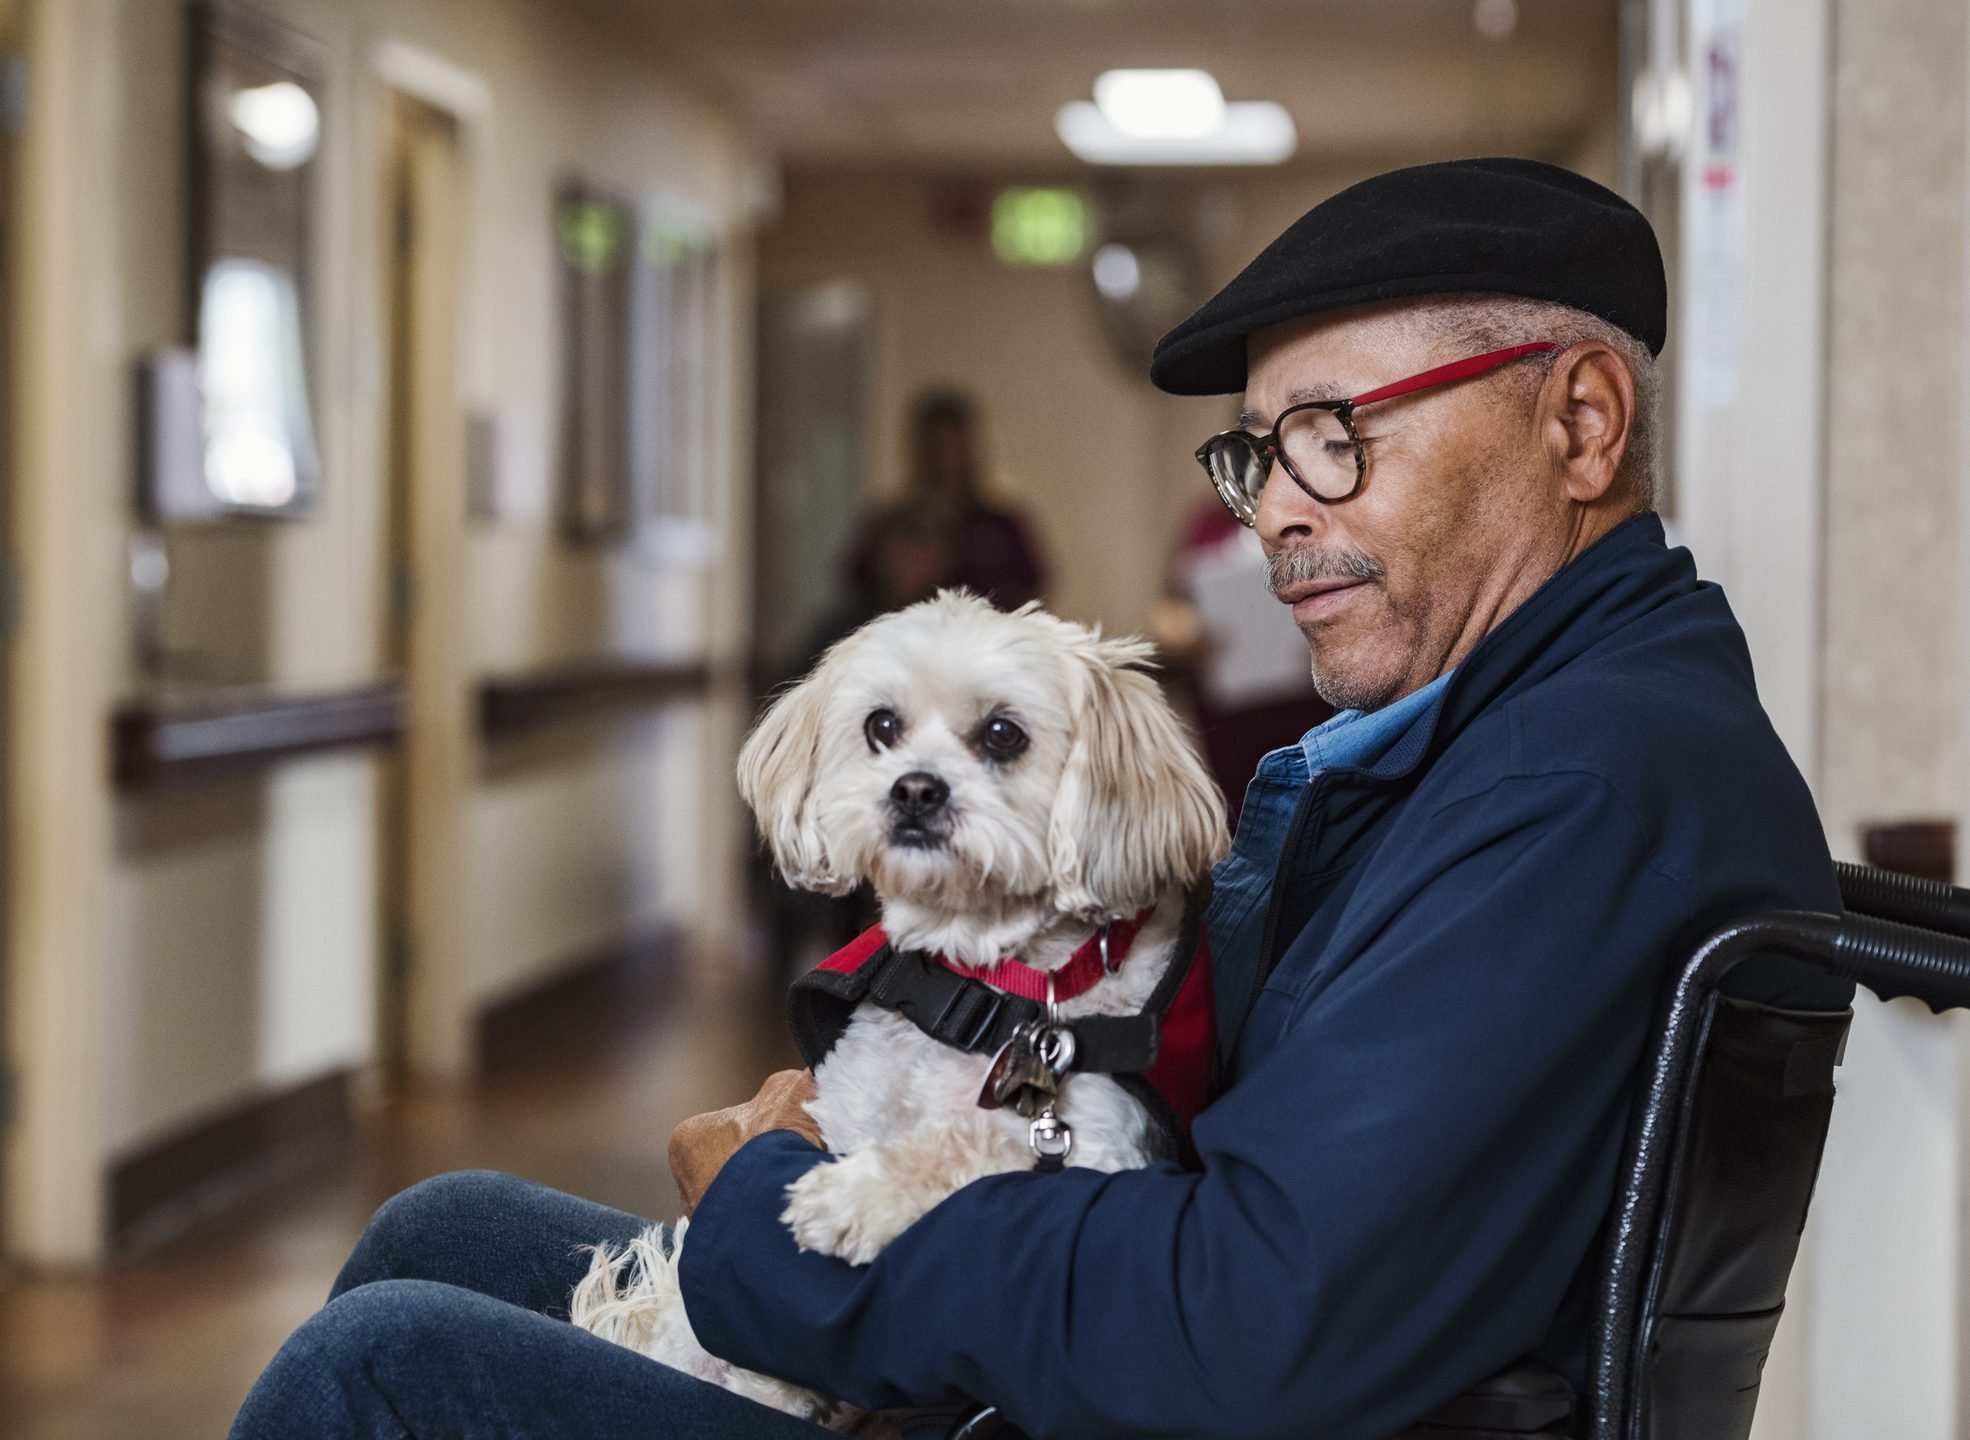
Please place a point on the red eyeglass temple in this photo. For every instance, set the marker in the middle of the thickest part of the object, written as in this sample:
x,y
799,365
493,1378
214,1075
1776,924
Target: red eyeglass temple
x,y
1455,370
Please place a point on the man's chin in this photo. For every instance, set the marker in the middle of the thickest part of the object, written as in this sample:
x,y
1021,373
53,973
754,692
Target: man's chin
x,y
1347,687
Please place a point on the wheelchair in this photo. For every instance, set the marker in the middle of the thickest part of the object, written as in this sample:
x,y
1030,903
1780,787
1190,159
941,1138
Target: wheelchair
x,y
1722,1153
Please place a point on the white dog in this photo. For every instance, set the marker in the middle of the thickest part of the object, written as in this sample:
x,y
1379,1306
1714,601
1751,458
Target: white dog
x,y
1028,810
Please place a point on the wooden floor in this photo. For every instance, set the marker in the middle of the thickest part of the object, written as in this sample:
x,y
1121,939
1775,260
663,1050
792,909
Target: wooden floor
x,y
165,1347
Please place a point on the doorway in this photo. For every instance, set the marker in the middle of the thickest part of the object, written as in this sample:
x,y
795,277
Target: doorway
x,y
812,456
420,1019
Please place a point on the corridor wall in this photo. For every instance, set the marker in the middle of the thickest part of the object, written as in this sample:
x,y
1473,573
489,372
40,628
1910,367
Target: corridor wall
x,y
201,949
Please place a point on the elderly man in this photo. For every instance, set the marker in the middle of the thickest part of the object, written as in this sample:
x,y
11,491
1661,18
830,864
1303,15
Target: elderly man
x,y
1438,940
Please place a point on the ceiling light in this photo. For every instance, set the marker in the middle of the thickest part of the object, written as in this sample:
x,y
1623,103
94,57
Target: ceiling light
x,y
1251,132
1160,104
278,122
1495,19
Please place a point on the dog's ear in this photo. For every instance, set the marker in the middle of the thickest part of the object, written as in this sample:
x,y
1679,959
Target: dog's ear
x,y
777,767
1136,812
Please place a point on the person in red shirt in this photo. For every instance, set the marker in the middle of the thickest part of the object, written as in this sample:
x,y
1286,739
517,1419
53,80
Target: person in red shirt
x,y
1248,697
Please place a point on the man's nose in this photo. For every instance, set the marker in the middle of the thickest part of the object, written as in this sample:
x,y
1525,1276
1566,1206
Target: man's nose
x,y
1287,515
919,793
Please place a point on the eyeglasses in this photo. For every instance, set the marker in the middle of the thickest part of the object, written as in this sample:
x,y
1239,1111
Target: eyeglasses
x,y
1317,441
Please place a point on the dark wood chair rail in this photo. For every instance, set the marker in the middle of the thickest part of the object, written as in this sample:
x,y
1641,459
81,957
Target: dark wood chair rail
x,y
223,733
511,704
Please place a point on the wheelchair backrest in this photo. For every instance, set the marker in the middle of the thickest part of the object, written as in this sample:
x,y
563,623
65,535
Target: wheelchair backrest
x,y
1752,1126
1725,1148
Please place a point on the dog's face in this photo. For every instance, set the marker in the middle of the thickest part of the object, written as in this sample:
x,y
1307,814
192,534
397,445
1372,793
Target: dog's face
x,y
969,762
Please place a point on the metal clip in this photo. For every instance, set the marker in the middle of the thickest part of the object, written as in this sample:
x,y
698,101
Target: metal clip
x,y
1107,964
1051,1140
1056,1051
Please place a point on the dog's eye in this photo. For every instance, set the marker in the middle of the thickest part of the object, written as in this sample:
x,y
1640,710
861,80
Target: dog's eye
x,y
1001,739
883,729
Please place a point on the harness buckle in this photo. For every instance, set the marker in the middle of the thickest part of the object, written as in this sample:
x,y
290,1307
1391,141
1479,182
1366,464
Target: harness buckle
x,y
979,1032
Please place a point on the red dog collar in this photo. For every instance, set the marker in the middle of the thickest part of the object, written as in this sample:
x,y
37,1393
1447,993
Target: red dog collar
x,y
1084,969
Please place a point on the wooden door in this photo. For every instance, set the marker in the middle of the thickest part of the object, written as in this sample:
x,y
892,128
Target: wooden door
x,y
421,1022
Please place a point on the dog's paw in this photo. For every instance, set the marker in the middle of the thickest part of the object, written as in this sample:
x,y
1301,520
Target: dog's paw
x,y
850,1209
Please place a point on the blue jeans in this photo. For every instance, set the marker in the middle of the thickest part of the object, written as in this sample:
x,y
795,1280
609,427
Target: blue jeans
x,y
449,1323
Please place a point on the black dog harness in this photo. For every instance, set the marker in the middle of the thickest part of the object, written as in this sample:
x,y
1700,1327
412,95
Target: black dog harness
x,y
1161,1054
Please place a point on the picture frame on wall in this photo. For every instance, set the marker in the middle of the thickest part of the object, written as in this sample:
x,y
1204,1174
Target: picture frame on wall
x,y
253,140
677,373
594,233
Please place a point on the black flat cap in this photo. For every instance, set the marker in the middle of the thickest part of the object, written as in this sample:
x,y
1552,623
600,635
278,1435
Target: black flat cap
x,y
1502,227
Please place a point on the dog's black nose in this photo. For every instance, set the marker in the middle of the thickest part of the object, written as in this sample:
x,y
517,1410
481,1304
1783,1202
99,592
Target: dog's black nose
x,y
919,793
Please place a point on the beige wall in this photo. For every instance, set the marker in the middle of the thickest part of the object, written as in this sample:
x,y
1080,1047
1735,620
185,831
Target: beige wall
x,y
1887,1284
1875,1335
223,941
1893,729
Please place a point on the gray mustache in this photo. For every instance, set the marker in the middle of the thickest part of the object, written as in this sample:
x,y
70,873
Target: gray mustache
x,y
1299,564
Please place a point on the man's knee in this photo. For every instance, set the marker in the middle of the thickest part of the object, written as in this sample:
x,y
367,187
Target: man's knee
x,y
416,1227
325,1380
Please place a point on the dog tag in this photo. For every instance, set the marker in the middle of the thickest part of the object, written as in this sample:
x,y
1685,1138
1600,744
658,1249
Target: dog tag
x,y
1051,1140
1019,1074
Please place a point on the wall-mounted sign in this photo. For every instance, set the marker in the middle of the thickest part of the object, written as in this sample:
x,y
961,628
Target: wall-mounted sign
x,y
1034,226
1715,226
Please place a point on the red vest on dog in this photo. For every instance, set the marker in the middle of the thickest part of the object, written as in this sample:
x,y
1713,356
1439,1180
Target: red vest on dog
x,y
1161,1054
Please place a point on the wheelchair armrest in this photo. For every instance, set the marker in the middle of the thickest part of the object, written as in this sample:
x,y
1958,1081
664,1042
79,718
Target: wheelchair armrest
x,y
1527,1400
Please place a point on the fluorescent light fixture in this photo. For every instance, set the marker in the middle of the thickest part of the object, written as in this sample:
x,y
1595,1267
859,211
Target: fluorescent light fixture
x,y
1251,132
1160,104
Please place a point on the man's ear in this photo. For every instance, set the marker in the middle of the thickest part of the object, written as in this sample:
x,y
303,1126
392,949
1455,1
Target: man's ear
x,y
1587,409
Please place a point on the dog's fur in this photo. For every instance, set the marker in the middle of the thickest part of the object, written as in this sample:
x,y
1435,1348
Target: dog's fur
x,y
1104,812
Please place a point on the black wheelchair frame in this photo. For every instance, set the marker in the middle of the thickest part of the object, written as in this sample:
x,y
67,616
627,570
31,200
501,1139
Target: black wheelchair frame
x,y
1722,1155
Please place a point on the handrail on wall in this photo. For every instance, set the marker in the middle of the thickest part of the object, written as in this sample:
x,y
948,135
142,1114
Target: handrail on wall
x,y
509,705
223,733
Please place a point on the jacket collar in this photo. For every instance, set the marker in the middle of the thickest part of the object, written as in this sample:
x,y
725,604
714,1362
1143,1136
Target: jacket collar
x,y
1625,574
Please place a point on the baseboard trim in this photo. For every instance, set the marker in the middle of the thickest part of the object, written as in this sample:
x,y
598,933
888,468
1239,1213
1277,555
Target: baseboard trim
x,y
627,979
213,1167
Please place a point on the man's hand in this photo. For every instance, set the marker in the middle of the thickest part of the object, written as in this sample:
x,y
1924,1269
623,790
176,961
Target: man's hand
x,y
700,1146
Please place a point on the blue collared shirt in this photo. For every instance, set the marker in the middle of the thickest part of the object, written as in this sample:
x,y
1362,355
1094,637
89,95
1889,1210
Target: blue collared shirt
x,y
1242,882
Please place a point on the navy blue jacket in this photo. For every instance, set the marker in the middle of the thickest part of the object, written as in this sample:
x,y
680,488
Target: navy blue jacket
x,y
1426,1090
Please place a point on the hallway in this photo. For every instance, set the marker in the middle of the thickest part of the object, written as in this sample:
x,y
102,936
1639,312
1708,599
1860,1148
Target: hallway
x,y
164,1347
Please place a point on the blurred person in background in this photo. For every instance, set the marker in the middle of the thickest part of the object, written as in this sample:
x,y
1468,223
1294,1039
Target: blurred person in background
x,y
940,534
944,532
944,514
